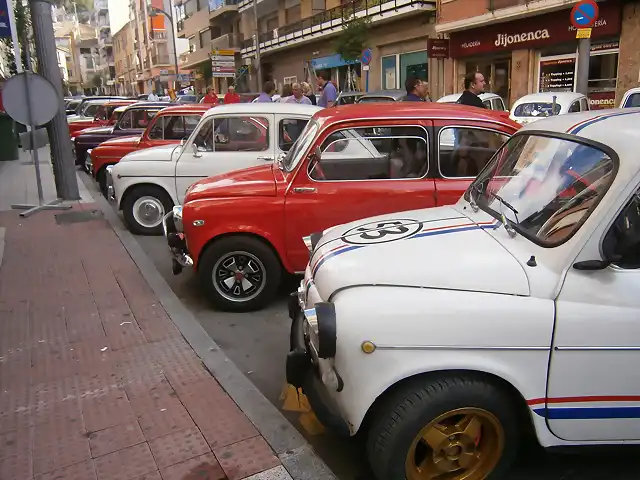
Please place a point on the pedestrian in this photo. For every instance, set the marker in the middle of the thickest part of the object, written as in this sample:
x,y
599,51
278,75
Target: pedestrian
x,y
473,86
298,96
329,92
424,92
415,90
267,92
231,96
286,93
308,92
210,98
152,97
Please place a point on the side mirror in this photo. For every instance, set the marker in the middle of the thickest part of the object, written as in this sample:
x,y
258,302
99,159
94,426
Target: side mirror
x,y
592,265
196,152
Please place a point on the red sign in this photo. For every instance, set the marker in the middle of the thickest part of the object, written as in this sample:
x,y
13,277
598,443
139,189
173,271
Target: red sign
x,y
600,100
438,47
532,32
584,14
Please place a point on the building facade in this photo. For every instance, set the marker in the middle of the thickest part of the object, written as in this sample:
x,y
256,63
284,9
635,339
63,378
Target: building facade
x,y
530,46
106,67
125,61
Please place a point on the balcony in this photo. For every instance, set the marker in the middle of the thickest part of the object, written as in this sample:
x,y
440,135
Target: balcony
x,y
219,7
230,41
105,40
330,22
193,59
158,35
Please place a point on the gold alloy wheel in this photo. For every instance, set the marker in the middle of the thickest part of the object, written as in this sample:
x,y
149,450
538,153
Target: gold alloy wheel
x,y
462,444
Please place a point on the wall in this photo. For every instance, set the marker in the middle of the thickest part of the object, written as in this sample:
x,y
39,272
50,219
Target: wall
x,y
452,10
523,71
629,58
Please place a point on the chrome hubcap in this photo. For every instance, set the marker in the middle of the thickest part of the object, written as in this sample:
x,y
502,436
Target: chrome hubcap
x,y
148,211
239,276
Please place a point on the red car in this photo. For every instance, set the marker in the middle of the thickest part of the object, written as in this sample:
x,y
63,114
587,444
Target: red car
x,y
243,229
170,125
105,115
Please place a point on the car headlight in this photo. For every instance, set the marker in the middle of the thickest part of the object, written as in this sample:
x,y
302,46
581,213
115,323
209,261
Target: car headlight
x,y
177,218
320,327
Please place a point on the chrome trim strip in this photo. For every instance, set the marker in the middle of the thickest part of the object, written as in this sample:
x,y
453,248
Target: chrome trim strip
x,y
457,347
592,348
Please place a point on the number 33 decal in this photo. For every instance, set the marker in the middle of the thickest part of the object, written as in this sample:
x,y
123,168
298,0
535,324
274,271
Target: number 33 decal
x,y
382,231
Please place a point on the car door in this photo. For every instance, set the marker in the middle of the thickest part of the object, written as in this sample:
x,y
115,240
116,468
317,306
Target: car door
x,y
289,129
594,379
462,150
364,170
224,143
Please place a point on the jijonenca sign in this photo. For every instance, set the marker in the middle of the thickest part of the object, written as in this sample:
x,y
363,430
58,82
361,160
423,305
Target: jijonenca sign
x,y
504,40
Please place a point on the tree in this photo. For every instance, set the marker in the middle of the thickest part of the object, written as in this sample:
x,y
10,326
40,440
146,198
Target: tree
x,y
354,36
96,80
23,26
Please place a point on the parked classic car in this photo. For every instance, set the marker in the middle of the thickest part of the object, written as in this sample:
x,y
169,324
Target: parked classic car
x,y
83,101
102,115
133,121
514,313
350,162
168,127
382,96
490,100
631,98
146,184
536,106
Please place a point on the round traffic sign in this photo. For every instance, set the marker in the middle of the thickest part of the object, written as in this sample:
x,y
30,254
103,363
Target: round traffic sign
x,y
44,99
584,14
367,55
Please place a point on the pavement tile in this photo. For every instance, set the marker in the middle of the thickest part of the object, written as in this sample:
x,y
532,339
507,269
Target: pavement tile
x,y
16,467
62,417
57,451
149,476
126,464
97,384
105,411
78,471
124,334
206,392
277,473
164,418
115,438
246,458
204,467
153,384
16,442
178,447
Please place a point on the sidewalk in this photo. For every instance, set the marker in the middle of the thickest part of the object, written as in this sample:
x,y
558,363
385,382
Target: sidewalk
x,y
96,380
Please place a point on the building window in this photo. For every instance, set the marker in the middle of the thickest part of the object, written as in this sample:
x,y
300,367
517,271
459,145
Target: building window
x,y
414,63
290,80
389,77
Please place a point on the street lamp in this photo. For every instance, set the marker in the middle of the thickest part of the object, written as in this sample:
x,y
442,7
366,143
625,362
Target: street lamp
x,y
154,13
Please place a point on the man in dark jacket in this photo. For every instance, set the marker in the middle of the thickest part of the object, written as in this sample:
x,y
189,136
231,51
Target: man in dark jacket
x,y
473,86
414,87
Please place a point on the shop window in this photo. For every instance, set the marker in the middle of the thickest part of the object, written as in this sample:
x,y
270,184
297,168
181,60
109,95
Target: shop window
x,y
389,72
603,71
463,152
414,63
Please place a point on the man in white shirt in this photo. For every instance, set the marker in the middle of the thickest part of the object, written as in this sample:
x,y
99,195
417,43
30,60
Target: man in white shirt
x,y
298,96
153,97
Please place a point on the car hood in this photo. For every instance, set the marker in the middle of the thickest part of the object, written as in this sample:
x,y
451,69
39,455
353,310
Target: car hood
x,y
78,118
252,181
122,141
430,248
153,154
97,131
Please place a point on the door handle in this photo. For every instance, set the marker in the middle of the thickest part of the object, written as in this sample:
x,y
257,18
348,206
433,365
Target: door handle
x,y
266,159
304,190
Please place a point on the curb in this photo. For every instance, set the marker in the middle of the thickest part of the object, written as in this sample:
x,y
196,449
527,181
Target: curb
x,y
295,453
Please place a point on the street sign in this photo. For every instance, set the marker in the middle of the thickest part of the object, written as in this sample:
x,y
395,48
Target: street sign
x,y
367,56
164,72
224,53
583,33
43,99
366,68
584,14
222,58
5,24
438,47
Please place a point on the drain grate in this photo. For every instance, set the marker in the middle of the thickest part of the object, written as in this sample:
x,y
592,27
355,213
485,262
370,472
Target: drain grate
x,y
78,216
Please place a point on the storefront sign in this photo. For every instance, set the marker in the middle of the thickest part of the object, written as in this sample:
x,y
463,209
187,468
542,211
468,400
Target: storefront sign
x,y
600,100
532,32
5,26
597,47
438,47
332,61
557,75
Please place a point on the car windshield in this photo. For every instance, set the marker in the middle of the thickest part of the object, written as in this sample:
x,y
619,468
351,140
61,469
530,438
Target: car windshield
x,y
536,109
90,109
633,100
74,104
301,145
543,187
375,99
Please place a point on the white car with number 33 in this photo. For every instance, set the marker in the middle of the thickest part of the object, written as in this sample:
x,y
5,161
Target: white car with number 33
x,y
448,334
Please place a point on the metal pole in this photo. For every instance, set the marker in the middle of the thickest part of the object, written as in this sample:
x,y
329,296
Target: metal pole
x,y
257,43
32,135
584,55
175,53
64,170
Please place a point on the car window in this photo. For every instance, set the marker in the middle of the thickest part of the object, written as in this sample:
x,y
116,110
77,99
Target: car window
x,y
91,110
204,138
288,132
498,104
173,127
463,152
622,241
241,134
125,120
575,107
537,109
102,113
632,100
157,129
487,104
372,154
584,104
190,124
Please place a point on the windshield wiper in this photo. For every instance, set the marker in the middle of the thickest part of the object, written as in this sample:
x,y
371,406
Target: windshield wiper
x,y
505,221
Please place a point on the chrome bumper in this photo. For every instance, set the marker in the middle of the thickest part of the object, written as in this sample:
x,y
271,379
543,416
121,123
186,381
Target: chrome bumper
x,y
111,191
180,257
88,164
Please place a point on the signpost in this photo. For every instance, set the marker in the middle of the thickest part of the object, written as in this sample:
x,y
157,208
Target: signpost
x,y
223,63
365,60
584,15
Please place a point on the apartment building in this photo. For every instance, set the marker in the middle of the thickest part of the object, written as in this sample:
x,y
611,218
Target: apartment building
x,y
125,61
106,66
83,58
527,46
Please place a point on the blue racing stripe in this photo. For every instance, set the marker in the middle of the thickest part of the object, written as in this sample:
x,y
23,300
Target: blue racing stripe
x,y
592,413
333,254
600,119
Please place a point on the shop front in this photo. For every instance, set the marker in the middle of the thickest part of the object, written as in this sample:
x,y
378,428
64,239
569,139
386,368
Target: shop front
x,y
539,54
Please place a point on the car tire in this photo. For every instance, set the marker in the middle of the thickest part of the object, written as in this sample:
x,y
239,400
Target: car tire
x,y
396,444
101,179
243,254
143,209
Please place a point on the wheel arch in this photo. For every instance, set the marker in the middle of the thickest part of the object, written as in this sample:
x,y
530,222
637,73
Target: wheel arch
x,y
253,235
133,186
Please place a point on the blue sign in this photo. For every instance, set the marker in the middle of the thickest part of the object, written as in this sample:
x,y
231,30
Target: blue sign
x,y
367,55
584,14
332,61
5,26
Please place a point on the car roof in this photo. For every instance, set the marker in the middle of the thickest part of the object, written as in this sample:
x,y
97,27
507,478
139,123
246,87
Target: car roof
x,y
397,93
561,97
351,94
455,96
400,110
632,90
144,104
119,103
121,109
267,107
193,108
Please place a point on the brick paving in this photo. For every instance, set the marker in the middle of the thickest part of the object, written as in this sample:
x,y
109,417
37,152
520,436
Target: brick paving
x,y
96,381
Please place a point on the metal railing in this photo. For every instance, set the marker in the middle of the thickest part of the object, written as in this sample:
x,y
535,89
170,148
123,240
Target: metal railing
x,y
230,40
158,35
216,4
316,22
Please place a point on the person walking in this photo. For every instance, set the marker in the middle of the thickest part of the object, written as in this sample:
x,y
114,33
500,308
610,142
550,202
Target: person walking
x,y
414,89
473,86
329,92
267,92
152,97
231,96
210,98
308,92
298,96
